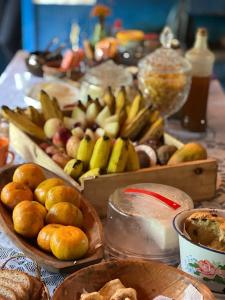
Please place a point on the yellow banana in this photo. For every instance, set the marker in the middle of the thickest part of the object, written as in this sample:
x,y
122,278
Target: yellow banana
x,y
133,163
132,129
135,107
154,116
101,152
154,132
74,168
35,116
127,108
56,108
23,123
121,100
85,150
119,155
50,108
109,99
90,174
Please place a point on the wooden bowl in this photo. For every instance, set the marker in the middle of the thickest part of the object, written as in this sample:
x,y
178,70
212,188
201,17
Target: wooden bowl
x,y
93,229
150,279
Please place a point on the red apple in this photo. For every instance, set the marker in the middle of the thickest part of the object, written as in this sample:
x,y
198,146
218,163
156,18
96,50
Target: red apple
x,y
61,137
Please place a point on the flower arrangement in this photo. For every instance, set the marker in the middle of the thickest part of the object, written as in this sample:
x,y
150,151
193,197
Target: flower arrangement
x,y
101,12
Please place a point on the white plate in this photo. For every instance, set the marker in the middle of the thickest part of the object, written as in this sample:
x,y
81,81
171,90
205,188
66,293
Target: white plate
x,y
66,93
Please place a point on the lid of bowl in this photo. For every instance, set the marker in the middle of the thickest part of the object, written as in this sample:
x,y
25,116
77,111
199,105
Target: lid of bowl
x,y
165,59
140,221
151,200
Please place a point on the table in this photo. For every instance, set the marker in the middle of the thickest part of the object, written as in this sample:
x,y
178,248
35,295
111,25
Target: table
x,y
16,79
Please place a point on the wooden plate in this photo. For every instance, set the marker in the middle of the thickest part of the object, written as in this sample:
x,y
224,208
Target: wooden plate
x,y
93,229
149,278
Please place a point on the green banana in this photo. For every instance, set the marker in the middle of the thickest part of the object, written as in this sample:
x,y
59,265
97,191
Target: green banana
x,y
155,131
119,155
109,99
132,129
133,163
85,150
74,168
90,174
101,152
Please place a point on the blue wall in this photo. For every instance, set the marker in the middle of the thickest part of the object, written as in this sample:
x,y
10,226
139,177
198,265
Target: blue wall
x,y
42,22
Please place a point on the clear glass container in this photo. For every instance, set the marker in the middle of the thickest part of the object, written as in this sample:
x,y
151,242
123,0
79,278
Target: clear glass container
x,y
139,222
165,77
98,78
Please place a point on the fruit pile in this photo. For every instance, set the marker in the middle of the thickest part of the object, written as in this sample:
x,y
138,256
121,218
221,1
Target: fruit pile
x,y
99,137
105,154
47,210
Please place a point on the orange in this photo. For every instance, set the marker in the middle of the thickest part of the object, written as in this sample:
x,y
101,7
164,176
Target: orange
x,y
69,243
45,234
29,174
65,213
40,208
62,194
13,193
43,188
27,219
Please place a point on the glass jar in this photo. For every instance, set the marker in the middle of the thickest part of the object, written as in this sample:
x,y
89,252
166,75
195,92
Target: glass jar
x,y
165,77
98,78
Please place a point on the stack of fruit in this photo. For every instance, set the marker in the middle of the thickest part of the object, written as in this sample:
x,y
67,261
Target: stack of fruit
x,y
99,137
47,210
103,155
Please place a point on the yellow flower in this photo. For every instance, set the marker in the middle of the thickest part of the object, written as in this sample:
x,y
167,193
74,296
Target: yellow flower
x,y
100,10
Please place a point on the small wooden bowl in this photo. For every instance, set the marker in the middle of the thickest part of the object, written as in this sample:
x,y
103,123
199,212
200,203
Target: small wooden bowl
x,y
93,229
150,279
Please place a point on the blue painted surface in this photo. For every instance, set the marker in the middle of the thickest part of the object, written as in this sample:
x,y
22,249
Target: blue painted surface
x,y
40,23
48,21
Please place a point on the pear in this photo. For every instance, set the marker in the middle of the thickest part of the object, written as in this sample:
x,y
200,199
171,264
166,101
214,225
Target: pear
x,y
102,116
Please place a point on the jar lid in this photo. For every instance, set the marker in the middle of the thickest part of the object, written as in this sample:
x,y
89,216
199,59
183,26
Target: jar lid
x,y
165,59
139,221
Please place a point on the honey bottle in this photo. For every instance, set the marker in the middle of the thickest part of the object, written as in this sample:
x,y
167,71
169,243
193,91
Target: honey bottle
x,y
194,112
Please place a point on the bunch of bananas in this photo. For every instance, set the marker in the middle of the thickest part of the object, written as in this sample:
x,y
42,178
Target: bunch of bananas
x,y
117,116
104,155
30,120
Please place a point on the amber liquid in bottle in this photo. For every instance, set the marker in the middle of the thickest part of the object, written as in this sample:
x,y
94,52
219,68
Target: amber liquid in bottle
x,y
194,112
195,109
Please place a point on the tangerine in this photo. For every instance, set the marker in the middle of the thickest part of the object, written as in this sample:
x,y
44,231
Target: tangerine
x,y
69,243
13,193
29,174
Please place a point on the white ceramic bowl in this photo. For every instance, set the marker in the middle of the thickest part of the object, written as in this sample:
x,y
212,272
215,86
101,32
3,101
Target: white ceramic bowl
x,y
208,265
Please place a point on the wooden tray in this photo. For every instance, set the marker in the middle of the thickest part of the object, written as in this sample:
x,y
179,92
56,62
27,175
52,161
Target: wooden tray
x,y
93,228
150,279
197,178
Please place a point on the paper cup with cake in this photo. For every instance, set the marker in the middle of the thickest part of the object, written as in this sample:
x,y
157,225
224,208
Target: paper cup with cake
x,y
202,245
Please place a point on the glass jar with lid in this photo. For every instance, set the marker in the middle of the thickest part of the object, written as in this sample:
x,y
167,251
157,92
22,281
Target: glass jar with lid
x,y
165,76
